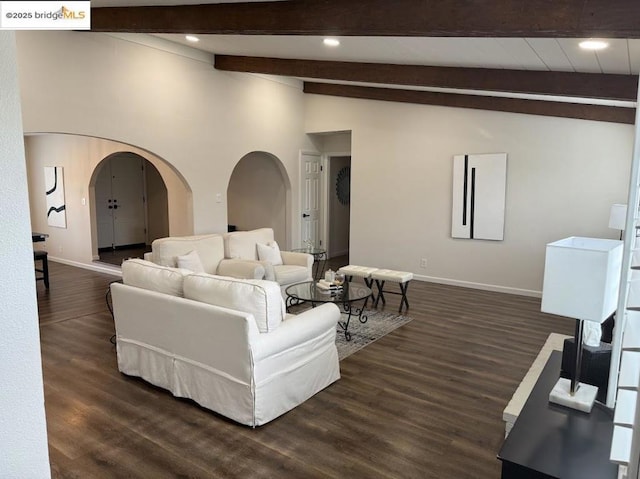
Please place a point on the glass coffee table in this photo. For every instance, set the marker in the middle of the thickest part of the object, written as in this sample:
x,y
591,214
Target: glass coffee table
x,y
308,292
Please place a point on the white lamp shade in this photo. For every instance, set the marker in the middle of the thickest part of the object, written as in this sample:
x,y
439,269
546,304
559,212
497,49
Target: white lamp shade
x,y
581,278
618,217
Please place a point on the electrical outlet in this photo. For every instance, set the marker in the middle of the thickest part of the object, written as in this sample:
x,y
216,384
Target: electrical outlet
x,y
423,263
59,249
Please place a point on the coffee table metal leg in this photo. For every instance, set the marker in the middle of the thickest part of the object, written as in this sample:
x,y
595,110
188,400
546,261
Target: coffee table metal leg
x,y
350,311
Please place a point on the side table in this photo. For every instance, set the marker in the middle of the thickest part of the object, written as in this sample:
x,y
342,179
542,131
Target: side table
x,y
552,441
319,256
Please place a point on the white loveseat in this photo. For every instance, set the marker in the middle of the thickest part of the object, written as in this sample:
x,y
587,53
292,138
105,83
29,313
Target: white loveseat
x,y
226,343
243,245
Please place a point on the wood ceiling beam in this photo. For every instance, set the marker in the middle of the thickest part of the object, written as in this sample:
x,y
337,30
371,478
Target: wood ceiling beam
x,y
585,85
424,18
513,105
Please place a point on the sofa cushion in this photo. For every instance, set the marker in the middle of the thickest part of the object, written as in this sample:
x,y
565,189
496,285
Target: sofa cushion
x,y
287,274
210,249
191,261
258,297
242,244
269,252
147,275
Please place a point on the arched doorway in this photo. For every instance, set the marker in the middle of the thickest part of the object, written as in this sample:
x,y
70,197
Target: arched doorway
x,y
259,195
131,206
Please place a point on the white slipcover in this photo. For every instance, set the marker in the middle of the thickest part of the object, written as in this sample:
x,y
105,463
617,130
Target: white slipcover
x,y
218,357
295,268
210,249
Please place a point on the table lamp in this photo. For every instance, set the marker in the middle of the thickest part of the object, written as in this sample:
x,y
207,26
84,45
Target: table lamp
x,y
581,281
618,217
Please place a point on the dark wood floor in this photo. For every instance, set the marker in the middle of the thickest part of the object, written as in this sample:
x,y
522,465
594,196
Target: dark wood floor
x,y
117,256
425,401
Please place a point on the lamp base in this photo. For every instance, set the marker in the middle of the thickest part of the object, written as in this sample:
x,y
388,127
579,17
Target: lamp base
x,y
582,399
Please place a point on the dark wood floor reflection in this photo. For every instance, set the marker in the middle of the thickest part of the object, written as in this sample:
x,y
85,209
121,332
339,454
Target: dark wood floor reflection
x,y
423,402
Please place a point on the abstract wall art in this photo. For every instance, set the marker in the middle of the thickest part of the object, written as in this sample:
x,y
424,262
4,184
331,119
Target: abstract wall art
x,y
54,190
479,189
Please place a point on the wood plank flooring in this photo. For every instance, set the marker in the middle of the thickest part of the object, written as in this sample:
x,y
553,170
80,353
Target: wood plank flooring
x,y
425,401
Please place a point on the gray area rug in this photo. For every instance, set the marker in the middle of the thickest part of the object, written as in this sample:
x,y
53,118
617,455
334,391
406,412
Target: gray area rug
x,y
378,324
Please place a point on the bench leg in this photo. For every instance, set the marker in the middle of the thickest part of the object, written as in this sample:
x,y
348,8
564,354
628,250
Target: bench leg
x,y
403,289
380,285
369,283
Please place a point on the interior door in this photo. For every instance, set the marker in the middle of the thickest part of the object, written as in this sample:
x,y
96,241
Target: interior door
x,y
120,202
311,206
127,185
104,214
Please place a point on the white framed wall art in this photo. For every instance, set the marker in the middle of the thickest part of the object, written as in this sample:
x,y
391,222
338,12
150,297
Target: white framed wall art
x,y
479,192
54,191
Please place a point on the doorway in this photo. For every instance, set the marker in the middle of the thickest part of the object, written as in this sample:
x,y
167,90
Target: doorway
x,y
338,205
259,196
126,221
311,202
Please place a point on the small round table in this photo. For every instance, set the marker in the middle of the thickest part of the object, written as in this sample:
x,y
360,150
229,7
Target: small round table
x,y
350,293
319,255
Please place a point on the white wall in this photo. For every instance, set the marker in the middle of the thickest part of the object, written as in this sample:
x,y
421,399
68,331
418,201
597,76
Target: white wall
x,y
200,120
562,177
79,156
257,196
563,174
23,434
157,204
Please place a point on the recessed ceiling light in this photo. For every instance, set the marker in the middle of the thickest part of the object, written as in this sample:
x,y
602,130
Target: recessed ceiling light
x,y
192,38
331,42
593,44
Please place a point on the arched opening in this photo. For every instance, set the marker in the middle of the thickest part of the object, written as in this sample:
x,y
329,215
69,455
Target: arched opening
x,y
259,195
131,206
82,158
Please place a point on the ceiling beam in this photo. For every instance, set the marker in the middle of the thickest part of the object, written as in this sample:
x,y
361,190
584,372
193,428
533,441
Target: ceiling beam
x,y
424,18
513,105
584,85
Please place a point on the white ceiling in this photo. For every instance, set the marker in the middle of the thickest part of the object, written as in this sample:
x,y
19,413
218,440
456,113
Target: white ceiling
x,y
622,56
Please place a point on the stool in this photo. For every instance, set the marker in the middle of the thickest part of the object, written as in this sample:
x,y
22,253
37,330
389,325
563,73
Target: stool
x,y
363,272
40,255
403,278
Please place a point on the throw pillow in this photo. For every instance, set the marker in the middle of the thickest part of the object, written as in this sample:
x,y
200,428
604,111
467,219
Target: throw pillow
x,y
191,261
269,252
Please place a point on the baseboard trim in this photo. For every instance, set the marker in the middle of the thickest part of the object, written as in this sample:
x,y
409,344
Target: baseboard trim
x,y
98,267
116,271
486,287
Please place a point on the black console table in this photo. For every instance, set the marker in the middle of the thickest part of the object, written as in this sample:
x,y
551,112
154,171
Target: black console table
x,y
551,441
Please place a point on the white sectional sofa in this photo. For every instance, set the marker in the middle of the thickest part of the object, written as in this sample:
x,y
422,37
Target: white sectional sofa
x,y
240,254
209,249
226,343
